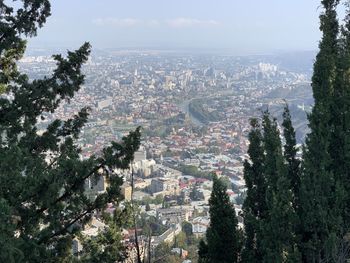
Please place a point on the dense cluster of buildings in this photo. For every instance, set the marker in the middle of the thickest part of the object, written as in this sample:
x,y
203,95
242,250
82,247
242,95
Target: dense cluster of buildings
x,y
179,150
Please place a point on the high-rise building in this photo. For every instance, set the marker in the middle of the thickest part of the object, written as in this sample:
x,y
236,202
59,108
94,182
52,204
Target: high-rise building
x,y
126,191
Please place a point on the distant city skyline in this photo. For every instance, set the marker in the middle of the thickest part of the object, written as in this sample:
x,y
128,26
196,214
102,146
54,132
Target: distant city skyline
x,y
253,26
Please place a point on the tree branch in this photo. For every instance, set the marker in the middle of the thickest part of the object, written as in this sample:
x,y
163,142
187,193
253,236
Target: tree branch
x,y
69,191
65,228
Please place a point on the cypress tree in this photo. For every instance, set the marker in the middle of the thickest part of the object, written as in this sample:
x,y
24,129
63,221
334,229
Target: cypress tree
x,y
345,179
339,146
320,223
203,252
294,177
223,237
273,167
290,156
269,215
340,120
43,205
254,206
319,193
278,236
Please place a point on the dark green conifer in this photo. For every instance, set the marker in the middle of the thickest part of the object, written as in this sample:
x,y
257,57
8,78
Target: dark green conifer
x,y
254,206
278,238
293,175
290,156
340,126
43,205
319,221
203,252
223,237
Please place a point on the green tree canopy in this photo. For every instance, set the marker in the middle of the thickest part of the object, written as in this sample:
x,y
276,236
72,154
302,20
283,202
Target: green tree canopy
x,y
254,206
42,175
223,236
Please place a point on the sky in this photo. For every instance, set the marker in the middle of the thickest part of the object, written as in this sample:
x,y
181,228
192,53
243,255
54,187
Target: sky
x,y
243,26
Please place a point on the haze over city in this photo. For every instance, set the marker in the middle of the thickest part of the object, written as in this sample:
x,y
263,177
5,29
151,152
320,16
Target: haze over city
x,y
175,131
242,27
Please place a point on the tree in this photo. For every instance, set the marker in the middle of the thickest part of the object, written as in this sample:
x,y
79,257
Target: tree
x,y
319,192
278,226
180,240
340,116
290,156
203,252
106,246
14,25
317,189
269,216
42,175
254,206
226,181
293,175
187,228
223,237
163,254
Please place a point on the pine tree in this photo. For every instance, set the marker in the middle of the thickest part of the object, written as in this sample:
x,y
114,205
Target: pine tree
x,y
42,176
254,206
223,237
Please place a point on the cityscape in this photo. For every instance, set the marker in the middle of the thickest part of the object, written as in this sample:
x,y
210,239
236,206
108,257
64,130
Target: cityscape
x,y
174,131
194,110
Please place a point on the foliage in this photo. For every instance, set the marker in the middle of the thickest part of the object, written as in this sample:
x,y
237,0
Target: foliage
x,y
270,217
325,163
187,228
226,181
149,200
197,109
181,240
290,156
151,223
254,206
307,199
203,256
162,254
278,227
42,176
193,171
223,237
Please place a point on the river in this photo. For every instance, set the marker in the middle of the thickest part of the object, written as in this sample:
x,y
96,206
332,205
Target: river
x,y
184,107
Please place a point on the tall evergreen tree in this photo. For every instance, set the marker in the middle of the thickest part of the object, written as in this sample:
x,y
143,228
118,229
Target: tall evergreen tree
x,y
290,156
278,236
254,206
223,237
203,252
319,193
320,222
293,176
340,126
339,145
42,175
269,215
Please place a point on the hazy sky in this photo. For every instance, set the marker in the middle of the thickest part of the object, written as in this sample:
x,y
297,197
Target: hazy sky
x,y
238,25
